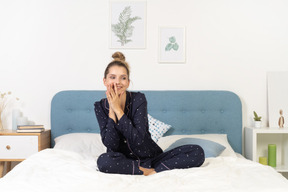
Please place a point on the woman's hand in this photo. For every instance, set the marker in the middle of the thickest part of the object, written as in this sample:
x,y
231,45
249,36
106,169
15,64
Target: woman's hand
x,y
114,100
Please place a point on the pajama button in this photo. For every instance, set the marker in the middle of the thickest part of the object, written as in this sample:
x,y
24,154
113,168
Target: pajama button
x,y
125,141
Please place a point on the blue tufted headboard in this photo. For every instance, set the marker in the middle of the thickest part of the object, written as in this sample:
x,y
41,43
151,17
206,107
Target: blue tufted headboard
x,y
189,112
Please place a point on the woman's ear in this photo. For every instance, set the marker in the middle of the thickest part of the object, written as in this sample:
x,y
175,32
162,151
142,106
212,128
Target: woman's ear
x,y
104,81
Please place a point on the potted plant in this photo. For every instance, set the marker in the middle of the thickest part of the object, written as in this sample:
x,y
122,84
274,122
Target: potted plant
x,y
257,120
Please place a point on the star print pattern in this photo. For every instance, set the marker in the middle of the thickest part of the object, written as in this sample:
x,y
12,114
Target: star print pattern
x,y
129,143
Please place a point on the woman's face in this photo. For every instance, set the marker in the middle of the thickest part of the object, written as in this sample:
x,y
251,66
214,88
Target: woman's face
x,y
117,76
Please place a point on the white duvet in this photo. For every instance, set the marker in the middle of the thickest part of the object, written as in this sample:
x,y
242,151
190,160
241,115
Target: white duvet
x,y
54,170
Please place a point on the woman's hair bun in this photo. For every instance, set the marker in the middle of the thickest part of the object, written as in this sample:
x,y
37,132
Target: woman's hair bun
x,y
118,56
119,60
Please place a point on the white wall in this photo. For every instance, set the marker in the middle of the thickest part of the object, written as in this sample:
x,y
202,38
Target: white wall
x,y
53,45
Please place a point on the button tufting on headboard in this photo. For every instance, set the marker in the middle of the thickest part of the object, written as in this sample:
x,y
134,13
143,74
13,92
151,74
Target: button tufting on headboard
x,y
183,131
189,112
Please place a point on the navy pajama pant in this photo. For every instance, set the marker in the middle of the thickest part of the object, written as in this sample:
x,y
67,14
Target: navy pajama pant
x,y
185,156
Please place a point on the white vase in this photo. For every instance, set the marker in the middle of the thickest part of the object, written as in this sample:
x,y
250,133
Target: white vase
x,y
258,124
16,113
1,125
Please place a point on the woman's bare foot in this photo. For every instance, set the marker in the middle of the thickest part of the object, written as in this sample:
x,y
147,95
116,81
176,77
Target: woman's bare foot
x,y
152,172
147,171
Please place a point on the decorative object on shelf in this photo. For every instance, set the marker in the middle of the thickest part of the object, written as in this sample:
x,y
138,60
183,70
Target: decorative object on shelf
x,y
22,120
128,24
272,155
30,128
281,119
263,160
257,120
16,113
19,119
5,100
172,45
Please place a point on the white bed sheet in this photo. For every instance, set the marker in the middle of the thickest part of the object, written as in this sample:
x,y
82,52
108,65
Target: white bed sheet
x,y
58,170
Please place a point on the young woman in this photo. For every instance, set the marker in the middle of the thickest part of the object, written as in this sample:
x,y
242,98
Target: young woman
x,y
123,122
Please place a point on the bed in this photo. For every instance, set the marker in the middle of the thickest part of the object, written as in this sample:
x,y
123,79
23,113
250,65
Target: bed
x,y
212,118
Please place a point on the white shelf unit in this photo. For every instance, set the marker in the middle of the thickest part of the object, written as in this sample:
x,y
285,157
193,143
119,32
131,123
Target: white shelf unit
x,y
256,145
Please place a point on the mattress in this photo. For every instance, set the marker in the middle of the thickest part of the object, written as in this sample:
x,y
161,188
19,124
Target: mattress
x,y
61,170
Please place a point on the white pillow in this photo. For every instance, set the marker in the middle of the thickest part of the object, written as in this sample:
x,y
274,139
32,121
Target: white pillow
x,y
157,128
90,144
165,142
87,144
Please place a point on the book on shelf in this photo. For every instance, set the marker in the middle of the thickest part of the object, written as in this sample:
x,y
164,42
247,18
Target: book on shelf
x,y
30,130
30,127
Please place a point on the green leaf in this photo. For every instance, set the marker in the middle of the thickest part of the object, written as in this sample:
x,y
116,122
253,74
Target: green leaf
x,y
116,29
131,20
175,46
256,117
168,47
129,32
172,39
125,14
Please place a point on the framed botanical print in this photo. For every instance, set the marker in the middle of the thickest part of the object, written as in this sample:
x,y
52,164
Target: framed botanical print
x,y
172,45
128,24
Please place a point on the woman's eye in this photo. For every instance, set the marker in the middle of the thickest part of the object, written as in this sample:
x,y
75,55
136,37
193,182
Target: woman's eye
x,y
112,77
124,78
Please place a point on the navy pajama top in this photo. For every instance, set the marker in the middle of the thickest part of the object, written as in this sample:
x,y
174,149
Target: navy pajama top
x,y
130,136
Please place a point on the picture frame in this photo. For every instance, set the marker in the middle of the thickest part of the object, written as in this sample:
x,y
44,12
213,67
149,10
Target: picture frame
x,y
277,98
128,24
172,45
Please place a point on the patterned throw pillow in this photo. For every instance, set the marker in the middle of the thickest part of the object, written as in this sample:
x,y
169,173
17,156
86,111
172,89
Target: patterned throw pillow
x,y
157,128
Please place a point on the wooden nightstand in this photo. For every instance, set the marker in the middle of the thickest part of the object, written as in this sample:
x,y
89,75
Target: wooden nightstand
x,y
18,146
